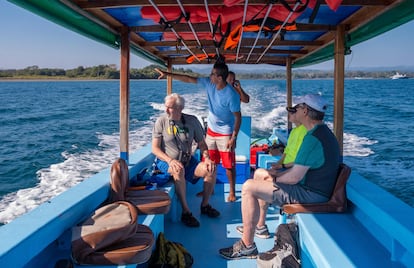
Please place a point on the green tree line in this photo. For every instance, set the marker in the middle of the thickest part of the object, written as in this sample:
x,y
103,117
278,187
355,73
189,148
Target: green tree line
x,y
95,72
111,72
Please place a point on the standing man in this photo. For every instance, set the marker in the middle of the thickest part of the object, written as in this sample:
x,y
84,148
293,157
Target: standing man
x,y
311,179
231,79
172,139
223,120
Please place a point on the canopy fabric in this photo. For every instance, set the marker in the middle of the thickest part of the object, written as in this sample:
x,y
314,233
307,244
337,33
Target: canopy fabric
x,y
168,31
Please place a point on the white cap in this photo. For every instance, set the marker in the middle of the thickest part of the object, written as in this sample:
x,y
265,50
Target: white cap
x,y
314,101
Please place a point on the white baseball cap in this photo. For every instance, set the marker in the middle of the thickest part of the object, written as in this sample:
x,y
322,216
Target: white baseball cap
x,y
315,101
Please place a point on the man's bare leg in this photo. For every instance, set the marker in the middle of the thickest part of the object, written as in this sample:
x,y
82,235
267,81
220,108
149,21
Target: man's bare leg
x,y
231,176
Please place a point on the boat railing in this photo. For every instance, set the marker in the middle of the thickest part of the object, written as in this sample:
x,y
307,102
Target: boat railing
x,y
50,223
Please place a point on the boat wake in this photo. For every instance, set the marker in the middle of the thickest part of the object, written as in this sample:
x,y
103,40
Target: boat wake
x,y
78,166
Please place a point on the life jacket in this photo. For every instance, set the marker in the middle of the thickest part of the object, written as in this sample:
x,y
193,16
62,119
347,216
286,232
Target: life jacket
x,y
271,25
333,4
228,15
210,56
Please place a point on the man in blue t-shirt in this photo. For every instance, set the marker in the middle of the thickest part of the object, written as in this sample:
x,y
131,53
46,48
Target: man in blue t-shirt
x,y
223,120
311,179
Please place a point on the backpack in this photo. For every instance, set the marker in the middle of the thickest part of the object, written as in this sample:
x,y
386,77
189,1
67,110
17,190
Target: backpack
x,y
285,253
169,254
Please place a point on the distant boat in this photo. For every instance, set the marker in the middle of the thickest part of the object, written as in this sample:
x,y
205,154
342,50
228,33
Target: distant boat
x,y
397,75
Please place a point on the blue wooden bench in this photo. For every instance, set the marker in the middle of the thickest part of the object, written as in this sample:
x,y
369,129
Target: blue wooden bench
x,y
52,221
376,231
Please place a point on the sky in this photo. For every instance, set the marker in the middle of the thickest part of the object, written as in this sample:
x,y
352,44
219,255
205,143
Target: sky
x,y
28,40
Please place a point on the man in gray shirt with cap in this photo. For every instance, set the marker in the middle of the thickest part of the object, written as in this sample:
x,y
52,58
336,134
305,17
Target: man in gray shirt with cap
x,y
311,179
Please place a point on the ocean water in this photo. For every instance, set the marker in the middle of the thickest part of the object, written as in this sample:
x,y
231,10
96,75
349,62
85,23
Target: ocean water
x,y
54,134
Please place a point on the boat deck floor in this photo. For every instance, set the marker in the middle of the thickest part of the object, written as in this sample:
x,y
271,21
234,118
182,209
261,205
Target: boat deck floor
x,y
204,242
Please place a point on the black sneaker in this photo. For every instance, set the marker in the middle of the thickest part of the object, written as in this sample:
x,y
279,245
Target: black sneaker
x,y
239,251
210,211
189,220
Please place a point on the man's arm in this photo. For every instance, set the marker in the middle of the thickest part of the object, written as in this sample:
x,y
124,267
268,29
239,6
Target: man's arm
x,y
244,97
236,128
293,175
203,149
156,150
181,77
237,123
211,166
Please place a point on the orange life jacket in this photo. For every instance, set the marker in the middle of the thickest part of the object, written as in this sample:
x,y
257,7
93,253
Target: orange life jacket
x,y
211,56
235,35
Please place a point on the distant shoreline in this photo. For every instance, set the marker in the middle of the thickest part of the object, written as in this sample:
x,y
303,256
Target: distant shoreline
x,y
111,73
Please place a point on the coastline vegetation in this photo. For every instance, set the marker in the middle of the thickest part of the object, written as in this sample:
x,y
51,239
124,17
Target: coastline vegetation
x,y
105,72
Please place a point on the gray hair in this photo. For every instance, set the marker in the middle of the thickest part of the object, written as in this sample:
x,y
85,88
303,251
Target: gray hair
x,y
313,114
179,101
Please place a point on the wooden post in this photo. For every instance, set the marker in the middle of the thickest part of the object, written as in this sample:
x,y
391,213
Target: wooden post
x,y
339,80
289,88
169,78
124,96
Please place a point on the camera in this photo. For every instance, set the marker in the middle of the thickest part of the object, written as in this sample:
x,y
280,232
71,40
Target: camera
x,y
184,158
236,84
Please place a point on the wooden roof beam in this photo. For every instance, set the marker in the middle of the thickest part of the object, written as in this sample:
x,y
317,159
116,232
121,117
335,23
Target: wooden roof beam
x,y
265,60
205,27
245,42
243,51
101,4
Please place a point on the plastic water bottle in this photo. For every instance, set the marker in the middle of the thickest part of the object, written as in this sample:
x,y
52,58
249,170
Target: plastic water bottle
x,y
153,168
273,138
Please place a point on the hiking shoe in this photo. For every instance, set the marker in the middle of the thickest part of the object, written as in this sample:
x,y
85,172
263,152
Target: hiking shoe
x,y
189,220
210,211
261,232
239,251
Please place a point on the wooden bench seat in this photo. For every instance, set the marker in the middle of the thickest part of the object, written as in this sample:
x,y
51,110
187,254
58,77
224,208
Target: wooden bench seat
x,y
340,240
376,231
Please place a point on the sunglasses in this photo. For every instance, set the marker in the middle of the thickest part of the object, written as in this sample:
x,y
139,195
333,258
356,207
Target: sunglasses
x,y
291,110
295,109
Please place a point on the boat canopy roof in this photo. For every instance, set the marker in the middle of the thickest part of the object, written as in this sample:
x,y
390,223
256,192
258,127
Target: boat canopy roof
x,y
242,32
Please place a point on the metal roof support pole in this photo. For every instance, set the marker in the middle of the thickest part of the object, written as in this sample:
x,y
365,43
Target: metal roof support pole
x,y
191,27
169,77
339,80
260,31
124,96
211,26
246,3
289,88
278,32
173,30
